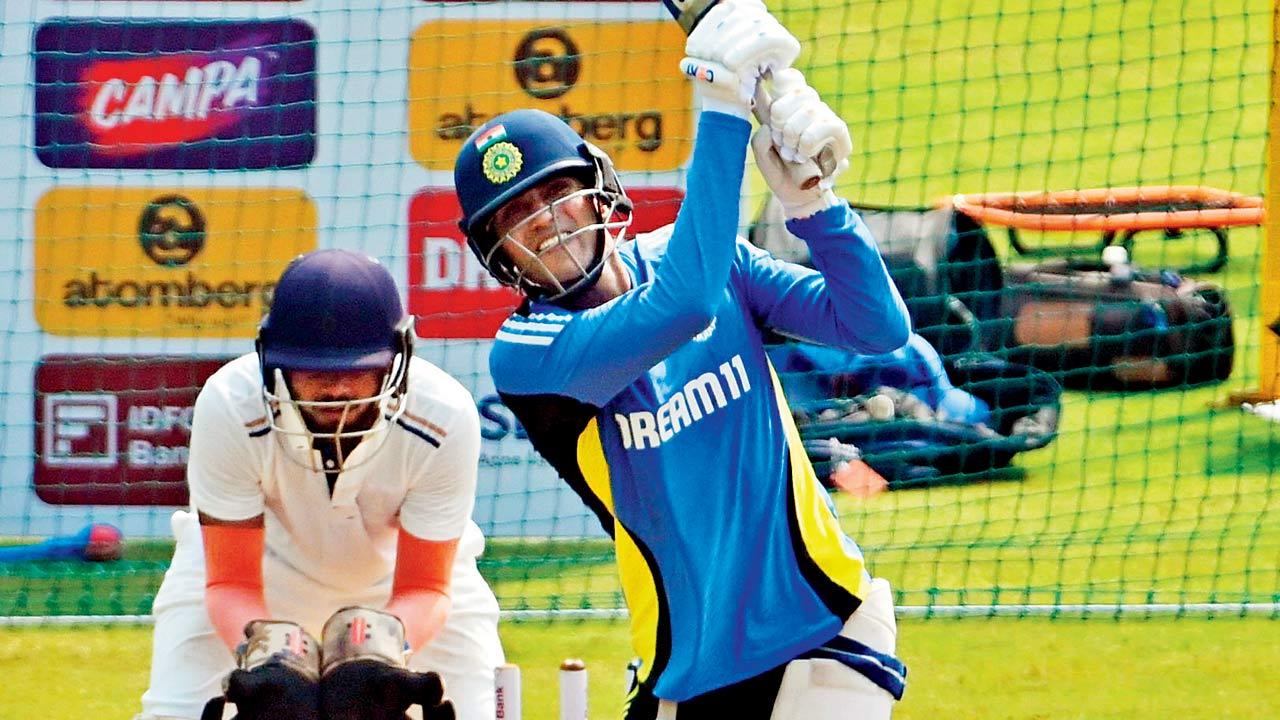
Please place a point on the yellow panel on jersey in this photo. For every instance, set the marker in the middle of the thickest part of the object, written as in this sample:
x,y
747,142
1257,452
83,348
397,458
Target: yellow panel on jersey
x,y
819,528
637,575
642,601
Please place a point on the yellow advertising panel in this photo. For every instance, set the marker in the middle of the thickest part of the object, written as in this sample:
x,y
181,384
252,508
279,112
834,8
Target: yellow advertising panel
x,y
616,82
148,262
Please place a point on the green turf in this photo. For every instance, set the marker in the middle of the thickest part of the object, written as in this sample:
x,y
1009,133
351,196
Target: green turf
x,y
1032,669
124,587
526,574
951,96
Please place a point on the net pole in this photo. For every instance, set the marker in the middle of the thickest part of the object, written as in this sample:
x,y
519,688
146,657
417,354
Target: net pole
x,y
1269,302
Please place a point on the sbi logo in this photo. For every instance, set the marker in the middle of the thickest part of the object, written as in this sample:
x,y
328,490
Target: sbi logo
x,y
497,421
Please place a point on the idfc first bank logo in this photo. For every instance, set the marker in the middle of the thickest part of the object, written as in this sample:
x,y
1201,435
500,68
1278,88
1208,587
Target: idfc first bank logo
x,y
182,95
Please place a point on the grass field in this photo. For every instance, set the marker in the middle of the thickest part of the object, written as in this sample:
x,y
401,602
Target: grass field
x,y
1028,669
1144,497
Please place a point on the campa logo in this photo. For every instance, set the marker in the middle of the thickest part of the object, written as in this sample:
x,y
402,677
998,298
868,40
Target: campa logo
x,y
196,94
133,105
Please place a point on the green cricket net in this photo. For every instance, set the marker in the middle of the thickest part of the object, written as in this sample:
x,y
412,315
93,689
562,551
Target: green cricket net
x,y
1073,188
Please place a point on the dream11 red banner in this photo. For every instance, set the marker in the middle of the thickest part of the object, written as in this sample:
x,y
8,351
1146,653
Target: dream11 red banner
x,y
451,294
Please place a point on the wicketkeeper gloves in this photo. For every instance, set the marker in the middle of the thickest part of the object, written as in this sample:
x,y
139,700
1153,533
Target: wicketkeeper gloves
x,y
364,674
357,672
276,677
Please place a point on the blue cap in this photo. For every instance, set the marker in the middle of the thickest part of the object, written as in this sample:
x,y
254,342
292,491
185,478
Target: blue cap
x,y
333,310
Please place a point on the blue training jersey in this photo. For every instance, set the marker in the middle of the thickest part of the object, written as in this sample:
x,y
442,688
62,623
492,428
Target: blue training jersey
x,y
660,408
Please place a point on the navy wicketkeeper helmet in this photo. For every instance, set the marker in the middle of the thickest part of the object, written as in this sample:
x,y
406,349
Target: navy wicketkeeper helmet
x,y
333,310
514,152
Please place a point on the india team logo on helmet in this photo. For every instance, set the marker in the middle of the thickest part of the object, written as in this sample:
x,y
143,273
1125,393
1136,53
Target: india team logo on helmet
x,y
502,162
513,153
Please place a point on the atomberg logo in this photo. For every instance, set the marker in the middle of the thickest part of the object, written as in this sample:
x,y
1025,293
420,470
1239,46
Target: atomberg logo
x,y
547,63
182,95
571,69
143,262
171,230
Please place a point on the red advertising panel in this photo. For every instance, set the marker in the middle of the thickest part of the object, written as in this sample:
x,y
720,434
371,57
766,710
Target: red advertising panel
x,y
451,294
115,430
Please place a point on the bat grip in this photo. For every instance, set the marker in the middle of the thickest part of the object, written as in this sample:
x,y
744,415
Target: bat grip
x,y
805,173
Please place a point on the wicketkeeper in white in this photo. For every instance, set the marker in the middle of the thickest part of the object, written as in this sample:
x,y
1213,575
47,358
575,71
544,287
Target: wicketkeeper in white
x,y
332,479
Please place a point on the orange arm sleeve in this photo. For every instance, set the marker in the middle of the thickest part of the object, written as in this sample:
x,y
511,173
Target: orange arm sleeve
x,y
420,589
233,579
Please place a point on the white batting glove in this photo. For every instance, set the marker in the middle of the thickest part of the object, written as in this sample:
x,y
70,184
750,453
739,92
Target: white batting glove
x,y
800,125
726,54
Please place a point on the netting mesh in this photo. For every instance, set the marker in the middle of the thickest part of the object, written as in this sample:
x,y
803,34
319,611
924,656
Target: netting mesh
x,y
162,168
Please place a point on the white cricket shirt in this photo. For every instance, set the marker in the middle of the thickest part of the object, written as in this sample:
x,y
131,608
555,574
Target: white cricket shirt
x,y
423,477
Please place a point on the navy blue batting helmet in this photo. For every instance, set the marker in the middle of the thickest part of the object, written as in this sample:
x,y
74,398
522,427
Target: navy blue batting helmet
x,y
333,310
512,153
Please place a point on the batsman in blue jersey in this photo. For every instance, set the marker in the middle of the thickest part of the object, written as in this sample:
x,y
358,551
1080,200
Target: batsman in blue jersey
x,y
639,371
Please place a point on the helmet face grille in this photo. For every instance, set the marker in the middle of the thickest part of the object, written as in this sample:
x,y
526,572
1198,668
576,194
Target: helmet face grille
x,y
533,273
334,310
350,443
